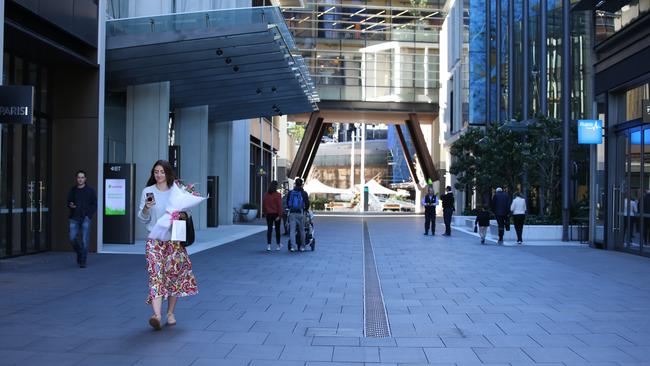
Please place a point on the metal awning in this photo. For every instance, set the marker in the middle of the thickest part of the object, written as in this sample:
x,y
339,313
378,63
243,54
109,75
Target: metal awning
x,y
239,62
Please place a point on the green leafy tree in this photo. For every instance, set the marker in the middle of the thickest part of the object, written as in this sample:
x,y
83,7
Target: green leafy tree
x,y
545,160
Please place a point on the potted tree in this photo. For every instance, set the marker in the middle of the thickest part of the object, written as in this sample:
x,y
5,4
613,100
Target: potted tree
x,y
249,211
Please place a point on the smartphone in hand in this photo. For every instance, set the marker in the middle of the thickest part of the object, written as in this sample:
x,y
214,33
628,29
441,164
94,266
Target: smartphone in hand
x,y
149,197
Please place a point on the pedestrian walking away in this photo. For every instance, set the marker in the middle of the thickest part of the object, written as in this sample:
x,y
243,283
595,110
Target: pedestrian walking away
x,y
482,222
297,203
448,208
82,202
430,201
518,209
501,208
272,210
168,264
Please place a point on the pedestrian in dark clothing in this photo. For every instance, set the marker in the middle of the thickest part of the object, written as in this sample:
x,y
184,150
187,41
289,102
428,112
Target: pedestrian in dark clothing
x,y
501,208
448,207
482,222
82,202
298,204
272,209
430,201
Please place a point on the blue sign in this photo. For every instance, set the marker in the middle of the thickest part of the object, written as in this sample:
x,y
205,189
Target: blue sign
x,y
590,131
635,137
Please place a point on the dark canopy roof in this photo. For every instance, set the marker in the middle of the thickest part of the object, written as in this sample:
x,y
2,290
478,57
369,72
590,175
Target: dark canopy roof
x,y
239,62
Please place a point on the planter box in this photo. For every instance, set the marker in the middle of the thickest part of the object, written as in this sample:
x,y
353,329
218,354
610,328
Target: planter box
x,y
531,232
248,214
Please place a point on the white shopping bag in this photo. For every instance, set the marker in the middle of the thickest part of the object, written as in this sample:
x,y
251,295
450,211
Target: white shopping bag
x,y
179,228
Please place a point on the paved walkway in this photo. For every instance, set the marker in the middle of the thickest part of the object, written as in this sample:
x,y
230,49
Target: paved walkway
x,y
449,301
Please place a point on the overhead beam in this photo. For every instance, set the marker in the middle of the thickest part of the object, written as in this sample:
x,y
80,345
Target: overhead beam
x,y
308,140
407,154
314,150
420,144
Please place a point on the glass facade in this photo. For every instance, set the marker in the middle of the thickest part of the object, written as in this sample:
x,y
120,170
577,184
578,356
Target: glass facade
x,y
370,50
512,72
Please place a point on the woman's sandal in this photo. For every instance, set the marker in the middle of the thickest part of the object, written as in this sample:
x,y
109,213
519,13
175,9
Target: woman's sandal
x,y
171,320
154,321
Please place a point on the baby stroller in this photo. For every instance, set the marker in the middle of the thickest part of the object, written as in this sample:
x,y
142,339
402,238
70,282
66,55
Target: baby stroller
x,y
309,232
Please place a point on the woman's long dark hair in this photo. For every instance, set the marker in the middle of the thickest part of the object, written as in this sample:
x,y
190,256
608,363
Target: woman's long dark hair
x,y
273,187
169,173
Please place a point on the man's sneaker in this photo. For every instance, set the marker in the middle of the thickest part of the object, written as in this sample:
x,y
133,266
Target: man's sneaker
x,y
277,247
519,242
268,247
500,242
302,248
482,241
426,233
292,249
82,264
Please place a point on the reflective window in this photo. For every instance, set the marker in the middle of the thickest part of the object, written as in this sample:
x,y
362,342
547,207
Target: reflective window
x,y
608,22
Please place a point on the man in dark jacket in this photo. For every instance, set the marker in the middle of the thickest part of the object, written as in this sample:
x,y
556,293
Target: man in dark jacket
x,y
430,201
501,208
448,207
297,203
82,202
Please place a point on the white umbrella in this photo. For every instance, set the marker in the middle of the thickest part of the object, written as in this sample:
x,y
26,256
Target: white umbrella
x,y
316,186
375,188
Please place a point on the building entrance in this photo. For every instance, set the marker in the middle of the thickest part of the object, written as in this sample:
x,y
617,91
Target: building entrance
x,y
631,190
25,168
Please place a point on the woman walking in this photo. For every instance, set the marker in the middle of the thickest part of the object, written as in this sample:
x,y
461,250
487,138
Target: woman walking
x,y
518,208
169,266
272,209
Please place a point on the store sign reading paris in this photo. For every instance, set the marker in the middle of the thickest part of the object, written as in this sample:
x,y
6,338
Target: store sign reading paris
x,y
16,104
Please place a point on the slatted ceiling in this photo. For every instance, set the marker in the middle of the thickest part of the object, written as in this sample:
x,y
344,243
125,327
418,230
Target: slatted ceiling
x,y
209,57
264,82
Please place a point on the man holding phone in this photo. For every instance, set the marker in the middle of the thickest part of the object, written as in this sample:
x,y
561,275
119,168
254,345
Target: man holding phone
x,y
82,202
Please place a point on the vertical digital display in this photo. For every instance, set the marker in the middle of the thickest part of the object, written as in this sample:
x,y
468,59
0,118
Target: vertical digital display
x,y
115,197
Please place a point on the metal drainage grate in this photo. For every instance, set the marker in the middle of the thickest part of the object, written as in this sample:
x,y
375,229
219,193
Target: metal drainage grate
x,y
374,312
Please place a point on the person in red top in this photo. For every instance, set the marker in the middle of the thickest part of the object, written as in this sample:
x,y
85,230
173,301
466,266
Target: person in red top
x,y
272,209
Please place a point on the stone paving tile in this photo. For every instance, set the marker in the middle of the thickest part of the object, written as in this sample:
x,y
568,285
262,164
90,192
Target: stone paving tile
x,y
335,341
401,355
108,360
444,355
640,353
512,341
177,360
355,354
553,354
219,362
603,354
307,353
243,338
502,354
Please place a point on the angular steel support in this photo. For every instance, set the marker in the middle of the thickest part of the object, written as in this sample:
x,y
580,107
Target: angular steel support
x,y
407,154
424,158
306,146
314,150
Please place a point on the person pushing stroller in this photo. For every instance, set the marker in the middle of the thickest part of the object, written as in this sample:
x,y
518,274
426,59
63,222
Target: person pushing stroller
x,y
298,204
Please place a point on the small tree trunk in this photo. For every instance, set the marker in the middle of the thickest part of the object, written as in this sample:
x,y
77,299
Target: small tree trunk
x,y
542,201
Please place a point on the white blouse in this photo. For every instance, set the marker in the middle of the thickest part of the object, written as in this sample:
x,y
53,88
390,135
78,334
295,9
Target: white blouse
x,y
518,206
157,210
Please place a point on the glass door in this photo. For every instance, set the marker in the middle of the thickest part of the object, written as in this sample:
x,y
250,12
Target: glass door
x,y
631,190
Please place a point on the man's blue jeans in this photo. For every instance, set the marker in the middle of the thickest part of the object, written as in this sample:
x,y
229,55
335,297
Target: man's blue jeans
x,y
80,247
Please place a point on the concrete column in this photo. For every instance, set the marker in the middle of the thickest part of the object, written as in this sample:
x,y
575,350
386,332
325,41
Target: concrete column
x,y
229,152
147,124
101,57
192,136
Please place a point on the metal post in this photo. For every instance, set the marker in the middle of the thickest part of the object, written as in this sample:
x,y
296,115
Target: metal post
x,y
352,161
566,115
499,41
488,54
272,154
526,54
543,51
362,177
259,212
511,59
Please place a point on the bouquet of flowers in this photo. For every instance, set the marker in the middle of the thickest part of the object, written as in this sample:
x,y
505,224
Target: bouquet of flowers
x,y
181,198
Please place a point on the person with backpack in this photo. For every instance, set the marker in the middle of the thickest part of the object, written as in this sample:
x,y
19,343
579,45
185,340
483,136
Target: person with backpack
x,y
430,201
297,203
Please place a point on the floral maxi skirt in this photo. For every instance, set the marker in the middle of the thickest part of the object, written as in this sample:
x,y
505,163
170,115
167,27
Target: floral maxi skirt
x,y
170,270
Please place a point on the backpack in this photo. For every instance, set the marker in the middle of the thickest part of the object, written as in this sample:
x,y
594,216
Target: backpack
x,y
295,201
